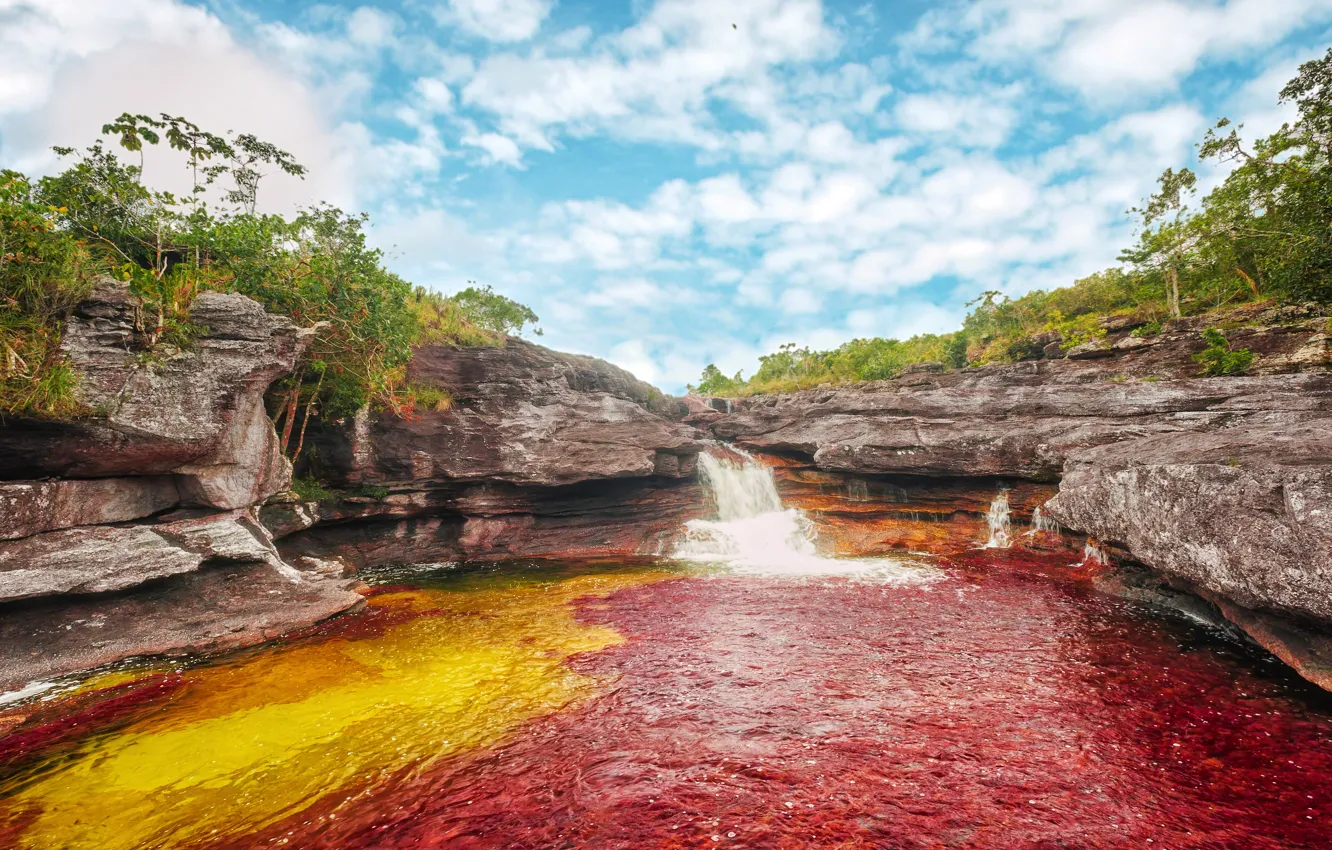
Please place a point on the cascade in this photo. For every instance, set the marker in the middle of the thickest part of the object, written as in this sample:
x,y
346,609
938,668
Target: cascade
x,y
1093,555
755,533
1001,526
1040,523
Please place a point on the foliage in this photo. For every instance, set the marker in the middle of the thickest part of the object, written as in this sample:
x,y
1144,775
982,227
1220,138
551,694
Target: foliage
x,y
44,271
311,490
98,216
426,397
1263,234
1219,358
443,321
493,312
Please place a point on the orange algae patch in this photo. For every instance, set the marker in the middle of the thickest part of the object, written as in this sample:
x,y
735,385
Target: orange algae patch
x,y
261,737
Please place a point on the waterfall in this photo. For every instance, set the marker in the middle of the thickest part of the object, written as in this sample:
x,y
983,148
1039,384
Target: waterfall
x,y
1093,555
1001,527
755,533
1042,524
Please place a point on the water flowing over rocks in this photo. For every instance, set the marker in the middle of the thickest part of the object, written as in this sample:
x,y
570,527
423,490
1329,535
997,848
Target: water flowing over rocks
x,y
159,521
1222,486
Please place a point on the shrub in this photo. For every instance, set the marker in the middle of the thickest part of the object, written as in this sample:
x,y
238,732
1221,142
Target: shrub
x,y
1218,358
311,490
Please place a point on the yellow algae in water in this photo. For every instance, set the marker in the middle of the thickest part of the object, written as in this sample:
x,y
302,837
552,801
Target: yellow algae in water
x,y
264,736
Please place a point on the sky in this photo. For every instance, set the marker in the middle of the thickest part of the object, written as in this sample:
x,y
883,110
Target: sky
x,y
672,183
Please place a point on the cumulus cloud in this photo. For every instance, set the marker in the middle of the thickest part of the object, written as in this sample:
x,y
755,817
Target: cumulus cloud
x,y
497,20
73,66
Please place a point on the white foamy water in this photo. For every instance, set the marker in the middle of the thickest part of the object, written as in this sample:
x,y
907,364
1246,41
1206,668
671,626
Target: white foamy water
x,y
755,534
1001,526
1042,524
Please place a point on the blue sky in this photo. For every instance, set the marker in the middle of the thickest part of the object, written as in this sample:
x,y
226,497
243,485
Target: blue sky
x,y
676,182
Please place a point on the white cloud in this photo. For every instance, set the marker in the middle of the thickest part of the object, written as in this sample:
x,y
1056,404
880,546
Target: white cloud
x,y
969,121
661,71
498,20
81,64
497,148
1114,49
371,27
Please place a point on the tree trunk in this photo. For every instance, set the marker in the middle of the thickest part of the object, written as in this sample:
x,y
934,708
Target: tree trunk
x,y
291,416
1172,277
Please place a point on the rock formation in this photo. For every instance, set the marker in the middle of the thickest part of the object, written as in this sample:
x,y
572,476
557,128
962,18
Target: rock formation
x,y
1222,486
153,490
540,453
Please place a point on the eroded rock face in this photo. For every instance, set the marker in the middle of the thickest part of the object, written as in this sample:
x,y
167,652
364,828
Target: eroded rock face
x,y
521,414
32,507
198,414
1024,420
1244,513
540,454
211,610
91,568
101,558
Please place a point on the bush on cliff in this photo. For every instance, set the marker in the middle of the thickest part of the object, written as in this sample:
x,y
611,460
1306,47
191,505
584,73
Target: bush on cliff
x,y
99,217
1264,234
1219,358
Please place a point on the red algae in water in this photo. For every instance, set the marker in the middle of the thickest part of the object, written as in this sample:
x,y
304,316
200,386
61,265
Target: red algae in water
x,y
1007,706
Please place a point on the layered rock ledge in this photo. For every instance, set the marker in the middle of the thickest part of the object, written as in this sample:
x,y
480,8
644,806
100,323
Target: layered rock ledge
x,y
119,527
540,454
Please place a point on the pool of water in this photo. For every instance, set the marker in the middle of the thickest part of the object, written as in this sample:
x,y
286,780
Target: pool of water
x,y
996,702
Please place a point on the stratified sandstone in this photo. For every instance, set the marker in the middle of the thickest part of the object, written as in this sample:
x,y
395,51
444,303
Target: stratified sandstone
x,y
540,454
92,567
197,414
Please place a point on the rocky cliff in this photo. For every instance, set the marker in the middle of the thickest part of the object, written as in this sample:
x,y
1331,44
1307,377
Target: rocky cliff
x,y
152,492
147,524
539,453
1221,486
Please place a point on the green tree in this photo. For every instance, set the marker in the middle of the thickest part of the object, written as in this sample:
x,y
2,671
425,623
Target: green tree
x,y
1166,236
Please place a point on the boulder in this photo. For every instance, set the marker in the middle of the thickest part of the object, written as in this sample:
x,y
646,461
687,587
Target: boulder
x,y
197,413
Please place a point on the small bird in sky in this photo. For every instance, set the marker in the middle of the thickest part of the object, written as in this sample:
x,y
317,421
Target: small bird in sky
x,y
734,27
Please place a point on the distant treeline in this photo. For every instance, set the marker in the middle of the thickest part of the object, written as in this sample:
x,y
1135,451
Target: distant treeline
x,y
1265,234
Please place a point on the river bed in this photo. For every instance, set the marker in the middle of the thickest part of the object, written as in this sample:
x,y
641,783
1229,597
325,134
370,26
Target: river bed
x,y
996,702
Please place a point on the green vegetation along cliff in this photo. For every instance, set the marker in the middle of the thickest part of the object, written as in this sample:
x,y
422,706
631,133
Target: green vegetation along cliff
x,y
1264,234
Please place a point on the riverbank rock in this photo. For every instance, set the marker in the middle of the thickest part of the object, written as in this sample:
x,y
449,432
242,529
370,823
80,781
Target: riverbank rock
x,y
197,414
540,453
1244,513
131,529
